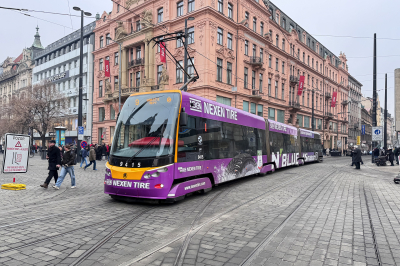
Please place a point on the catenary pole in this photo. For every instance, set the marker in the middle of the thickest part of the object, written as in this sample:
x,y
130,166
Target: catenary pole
x,y
80,83
385,117
374,96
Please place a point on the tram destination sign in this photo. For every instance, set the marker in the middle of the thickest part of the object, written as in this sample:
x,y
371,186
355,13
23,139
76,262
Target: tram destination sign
x,y
16,153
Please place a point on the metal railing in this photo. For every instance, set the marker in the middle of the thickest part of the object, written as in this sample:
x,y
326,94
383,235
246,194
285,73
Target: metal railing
x,y
294,104
294,79
328,95
344,102
256,92
328,114
136,62
255,60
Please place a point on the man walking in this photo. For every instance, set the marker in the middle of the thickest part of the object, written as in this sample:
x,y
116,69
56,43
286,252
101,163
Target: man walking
x,y
390,156
54,158
396,154
357,157
68,163
92,158
84,154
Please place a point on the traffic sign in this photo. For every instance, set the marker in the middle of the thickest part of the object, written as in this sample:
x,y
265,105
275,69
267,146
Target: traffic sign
x,y
377,133
83,144
81,131
16,153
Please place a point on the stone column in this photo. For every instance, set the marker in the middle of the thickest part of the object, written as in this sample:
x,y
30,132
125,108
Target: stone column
x,y
152,54
124,68
146,61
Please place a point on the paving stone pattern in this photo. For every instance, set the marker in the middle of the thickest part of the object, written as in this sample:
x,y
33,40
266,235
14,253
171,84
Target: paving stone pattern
x,y
340,216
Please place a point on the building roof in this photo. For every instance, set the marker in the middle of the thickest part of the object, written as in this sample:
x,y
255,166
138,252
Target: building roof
x,y
36,42
19,58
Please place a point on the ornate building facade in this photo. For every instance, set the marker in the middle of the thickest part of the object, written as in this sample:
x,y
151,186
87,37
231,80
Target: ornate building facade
x,y
249,55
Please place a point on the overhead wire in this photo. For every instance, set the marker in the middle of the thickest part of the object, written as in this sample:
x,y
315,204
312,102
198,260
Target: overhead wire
x,y
69,10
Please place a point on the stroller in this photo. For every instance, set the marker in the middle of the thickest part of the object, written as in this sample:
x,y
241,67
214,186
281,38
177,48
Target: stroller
x,y
380,161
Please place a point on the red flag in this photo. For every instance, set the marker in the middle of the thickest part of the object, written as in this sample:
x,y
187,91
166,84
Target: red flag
x,y
107,69
334,95
301,85
162,52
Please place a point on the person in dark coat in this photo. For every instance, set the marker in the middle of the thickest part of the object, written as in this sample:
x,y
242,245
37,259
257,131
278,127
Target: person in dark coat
x,y
103,151
54,158
352,157
98,152
357,157
376,152
68,163
390,156
396,154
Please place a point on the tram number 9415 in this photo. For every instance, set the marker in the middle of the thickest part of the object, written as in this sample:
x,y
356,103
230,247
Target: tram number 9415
x,y
126,164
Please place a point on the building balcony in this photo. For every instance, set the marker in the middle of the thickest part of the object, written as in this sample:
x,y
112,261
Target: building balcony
x,y
345,102
255,61
136,62
328,115
155,87
294,105
256,94
293,80
328,95
128,91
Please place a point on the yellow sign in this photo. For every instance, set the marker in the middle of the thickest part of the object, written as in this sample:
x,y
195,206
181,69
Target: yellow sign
x,y
169,99
153,100
137,102
358,140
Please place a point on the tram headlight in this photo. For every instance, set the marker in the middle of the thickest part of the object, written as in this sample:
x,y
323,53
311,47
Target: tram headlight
x,y
147,176
162,170
156,174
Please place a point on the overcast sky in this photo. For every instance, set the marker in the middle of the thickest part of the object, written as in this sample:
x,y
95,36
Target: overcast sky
x,y
339,18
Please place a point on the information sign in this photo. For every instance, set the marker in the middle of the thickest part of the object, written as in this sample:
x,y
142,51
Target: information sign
x,y
81,131
377,134
16,153
363,129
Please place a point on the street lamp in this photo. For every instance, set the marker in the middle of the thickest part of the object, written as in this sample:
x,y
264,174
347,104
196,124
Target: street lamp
x,y
80,75
185,55
119,73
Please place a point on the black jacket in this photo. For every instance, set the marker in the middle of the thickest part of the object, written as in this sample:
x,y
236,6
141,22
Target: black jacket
x,y
68,158
54,158
376,152
390,156
357,156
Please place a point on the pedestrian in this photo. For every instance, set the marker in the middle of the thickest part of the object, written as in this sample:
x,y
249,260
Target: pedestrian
x,y
103,151
54,158
352,157
84,155
390,156
98,152
68,163
108,152
396,154
376,153
357,157
92,158
327,152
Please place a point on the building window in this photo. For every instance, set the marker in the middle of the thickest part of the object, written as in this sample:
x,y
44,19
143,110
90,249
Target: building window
x,y
117,8
191,35
300,119
261,54
102,114
138,52
190,5
108,37
261,82
306,121
229,73
112,112
100,88
277,40
220,36
131,80
230,11
101,64
284,23
280,116
308,100
219,69
254,50
304,58
262,28
246,78
245,106
283,67
138,79
224,100
179,72
246,47
190,68
116,58
160,15
277,64
283,44
270,61
229,40
179,43
283,91
179,9
253,80
246,15
260,110
271,113
254,24
276,89
138,26
115,82
159,72
269,87
221,6
101,41
253,108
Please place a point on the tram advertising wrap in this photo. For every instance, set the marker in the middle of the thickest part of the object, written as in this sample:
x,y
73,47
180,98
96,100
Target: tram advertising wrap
x,y
171,143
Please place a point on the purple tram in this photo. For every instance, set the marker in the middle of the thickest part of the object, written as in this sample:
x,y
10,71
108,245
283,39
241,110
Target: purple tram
x,y
172,143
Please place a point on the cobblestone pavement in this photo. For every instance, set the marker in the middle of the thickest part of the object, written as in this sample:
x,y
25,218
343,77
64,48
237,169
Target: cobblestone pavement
x,y
319,214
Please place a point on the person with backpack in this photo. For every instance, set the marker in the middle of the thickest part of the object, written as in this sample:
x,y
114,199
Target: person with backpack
x,y
92,158
68,163
84,155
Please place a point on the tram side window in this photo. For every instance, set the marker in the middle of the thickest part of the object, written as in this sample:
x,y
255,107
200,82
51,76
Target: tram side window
x,y
307,145
282,143
189,150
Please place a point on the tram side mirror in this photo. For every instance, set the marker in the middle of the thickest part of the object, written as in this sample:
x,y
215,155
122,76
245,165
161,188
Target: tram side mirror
x,y
183,121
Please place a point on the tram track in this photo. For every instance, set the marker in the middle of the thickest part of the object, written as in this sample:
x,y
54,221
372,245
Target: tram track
x,y
193,230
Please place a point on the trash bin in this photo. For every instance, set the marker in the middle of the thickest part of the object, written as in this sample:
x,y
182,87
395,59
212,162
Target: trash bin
x,y
43,154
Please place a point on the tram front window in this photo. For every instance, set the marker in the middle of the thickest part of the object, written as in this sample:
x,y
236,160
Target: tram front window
x,y
146,127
